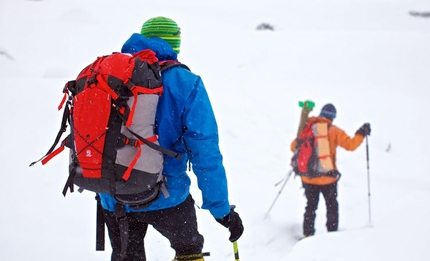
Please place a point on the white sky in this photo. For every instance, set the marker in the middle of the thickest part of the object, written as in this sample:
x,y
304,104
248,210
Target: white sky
x,y
369,58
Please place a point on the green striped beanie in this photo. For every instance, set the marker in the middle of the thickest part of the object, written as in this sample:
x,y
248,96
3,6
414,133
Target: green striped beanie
x,y
165,28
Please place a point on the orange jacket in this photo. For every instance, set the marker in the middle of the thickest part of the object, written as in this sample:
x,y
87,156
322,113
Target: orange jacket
x,y
336,137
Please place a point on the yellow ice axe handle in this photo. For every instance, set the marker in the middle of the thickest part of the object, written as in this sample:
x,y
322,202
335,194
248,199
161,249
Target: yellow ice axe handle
x,y
236,251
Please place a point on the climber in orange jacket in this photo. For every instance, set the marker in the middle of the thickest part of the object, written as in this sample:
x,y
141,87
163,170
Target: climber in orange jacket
x,y
327,184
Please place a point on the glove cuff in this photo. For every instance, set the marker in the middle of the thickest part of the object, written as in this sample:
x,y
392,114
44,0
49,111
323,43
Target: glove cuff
x,y
360,132
225,221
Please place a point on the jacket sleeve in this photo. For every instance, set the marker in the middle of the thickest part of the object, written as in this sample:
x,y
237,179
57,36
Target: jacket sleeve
x,y
201,139
346,142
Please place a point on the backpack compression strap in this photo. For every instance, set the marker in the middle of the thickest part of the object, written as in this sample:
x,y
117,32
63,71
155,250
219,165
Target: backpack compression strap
x,y
156,146
70,86
63,128
137,144
136,90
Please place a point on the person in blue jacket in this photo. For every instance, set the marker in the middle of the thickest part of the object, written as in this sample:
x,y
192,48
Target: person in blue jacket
x,y
185,123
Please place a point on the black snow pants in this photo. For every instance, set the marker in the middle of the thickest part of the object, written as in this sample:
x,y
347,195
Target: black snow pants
x,y
312,195
178,224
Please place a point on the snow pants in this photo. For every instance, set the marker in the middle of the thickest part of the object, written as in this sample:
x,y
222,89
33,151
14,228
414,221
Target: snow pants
x,y
312,195
178,224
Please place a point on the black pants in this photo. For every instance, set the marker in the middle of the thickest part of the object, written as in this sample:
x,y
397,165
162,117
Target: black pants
x,y
312,195
178,224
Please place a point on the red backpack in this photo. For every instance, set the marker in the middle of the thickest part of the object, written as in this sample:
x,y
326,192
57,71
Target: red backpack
x,y
312,155
111,110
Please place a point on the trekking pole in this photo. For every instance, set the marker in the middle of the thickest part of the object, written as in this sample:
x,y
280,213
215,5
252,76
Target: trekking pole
x,y
368,178
236,251
279,193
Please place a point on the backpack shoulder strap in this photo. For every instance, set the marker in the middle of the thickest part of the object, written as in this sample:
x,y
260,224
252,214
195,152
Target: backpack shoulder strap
x,y
166,65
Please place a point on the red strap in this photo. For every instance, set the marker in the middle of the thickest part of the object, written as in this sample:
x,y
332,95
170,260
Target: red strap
x,y
106,87
96,65
62,101
130,168
137,144
52,154
121,110
136,90
164,62
168,62
144,90
153,138
133,107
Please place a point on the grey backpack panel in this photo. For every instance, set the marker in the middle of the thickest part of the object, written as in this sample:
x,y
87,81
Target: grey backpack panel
x,y
150,160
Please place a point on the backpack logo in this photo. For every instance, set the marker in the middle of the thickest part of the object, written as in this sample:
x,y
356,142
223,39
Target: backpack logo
x,y
111,109
312,157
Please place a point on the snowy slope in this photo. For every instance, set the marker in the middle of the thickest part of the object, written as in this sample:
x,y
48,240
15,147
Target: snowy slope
x,y
369,58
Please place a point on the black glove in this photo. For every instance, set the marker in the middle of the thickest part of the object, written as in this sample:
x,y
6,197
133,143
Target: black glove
x,y
233,222
364,130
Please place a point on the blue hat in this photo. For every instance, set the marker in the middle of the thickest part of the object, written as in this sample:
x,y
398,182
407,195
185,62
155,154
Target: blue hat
x,y
328,111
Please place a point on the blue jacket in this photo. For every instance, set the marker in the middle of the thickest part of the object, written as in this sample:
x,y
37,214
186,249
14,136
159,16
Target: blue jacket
x,y
184,103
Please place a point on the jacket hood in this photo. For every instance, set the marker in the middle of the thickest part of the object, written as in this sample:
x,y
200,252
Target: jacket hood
x,y
138,42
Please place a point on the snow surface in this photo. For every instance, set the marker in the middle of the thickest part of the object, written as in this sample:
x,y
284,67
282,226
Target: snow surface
x,y
370,58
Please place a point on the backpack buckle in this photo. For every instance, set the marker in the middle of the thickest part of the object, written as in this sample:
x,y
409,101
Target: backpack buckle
x,y
92,80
